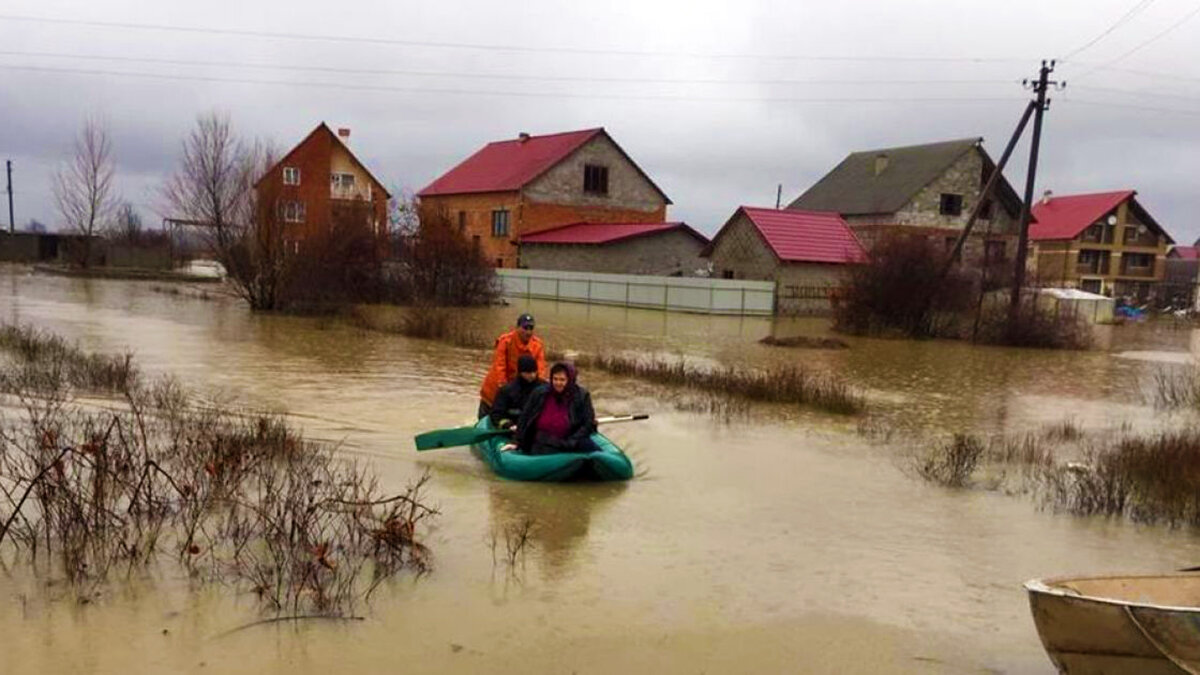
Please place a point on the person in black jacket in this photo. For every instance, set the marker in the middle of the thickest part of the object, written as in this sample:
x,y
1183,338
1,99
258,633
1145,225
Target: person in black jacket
x,y
511,399
558,417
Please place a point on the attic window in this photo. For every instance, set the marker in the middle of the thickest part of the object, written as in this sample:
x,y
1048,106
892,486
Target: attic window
x,y
291,175
341,181
595,179
951,204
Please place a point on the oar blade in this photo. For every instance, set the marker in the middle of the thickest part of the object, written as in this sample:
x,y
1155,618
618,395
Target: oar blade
x,y
450,438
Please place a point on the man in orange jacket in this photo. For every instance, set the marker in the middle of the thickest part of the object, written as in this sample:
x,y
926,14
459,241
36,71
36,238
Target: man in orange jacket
x,y
509,347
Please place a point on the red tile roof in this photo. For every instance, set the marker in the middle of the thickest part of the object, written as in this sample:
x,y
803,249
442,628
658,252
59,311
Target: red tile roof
x,y
806,236
604,233
1066,216
504,166
1185,252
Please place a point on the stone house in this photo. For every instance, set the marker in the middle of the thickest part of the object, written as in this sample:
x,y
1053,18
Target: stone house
x,y
806,253
321,180
1102,243
656,249
509,189
927,189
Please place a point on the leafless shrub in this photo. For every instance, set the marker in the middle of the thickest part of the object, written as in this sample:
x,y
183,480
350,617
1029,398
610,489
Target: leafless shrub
x,y
516,539
1037,325
46,361
438,266
1176,388
951,463
232,496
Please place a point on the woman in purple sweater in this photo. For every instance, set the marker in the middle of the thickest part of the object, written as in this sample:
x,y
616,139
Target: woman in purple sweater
x,y
558,417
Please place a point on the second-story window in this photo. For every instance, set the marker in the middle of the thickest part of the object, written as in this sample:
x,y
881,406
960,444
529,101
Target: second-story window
x,y
951,204
341,182
291,212
595,179
291,175
500,223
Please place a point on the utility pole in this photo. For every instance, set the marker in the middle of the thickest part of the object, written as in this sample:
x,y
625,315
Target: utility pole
x,y
12,224
778,196
1039,88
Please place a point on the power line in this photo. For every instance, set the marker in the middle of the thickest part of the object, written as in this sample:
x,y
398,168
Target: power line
x,y
1130,106
1132,12
1154,38
314,37
502,93
489,76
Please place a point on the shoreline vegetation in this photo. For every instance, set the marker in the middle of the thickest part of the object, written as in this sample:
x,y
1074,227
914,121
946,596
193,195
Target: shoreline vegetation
x,y
232,498
794,385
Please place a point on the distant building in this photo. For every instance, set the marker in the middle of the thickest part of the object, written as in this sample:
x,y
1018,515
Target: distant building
x,y
927,189
319,182
658,249
806,253
1102,243
1181,283
510,189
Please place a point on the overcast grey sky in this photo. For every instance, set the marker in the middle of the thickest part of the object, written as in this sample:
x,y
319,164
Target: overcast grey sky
x,y
719,101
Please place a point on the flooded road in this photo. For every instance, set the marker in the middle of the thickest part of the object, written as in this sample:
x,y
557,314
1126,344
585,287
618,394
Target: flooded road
x,y
781,543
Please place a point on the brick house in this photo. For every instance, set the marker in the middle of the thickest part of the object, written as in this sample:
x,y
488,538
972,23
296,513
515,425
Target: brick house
x,y
1181,284
513,188
1103,243
927,189
321,180
806,253
657,249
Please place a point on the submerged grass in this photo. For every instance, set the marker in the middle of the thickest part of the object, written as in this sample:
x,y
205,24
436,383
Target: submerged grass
x,y
230,496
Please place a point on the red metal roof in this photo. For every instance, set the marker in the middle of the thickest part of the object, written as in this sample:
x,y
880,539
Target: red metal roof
x,y
604,233
504,166
1185,252
1066,216
807,236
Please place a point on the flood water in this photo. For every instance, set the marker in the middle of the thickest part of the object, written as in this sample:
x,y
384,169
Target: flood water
x,y
784,542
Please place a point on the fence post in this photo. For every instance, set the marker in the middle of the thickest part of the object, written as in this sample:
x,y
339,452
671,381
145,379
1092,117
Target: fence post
x,y
556,293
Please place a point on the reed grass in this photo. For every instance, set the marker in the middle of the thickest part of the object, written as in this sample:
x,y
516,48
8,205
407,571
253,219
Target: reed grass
x,y
40,355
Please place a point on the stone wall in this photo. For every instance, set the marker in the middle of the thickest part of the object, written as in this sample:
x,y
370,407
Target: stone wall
x,y
805,288
628,188
665,254
741,253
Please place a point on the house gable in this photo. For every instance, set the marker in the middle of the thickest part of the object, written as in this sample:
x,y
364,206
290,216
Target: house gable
x,y
331,144
739,250
628,187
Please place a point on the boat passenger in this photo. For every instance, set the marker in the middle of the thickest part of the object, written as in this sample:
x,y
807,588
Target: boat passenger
x,y
511,399
510,347
558,417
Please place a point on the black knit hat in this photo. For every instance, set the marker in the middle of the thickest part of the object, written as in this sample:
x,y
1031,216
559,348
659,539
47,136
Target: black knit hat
x,y
525,320
526,364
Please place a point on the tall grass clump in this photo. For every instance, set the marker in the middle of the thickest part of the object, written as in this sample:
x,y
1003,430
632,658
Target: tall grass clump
x,y
35,354
789,384
1175,388
953,462
230,497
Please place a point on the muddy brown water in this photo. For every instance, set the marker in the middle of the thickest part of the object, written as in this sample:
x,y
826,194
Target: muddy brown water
x,y
781,543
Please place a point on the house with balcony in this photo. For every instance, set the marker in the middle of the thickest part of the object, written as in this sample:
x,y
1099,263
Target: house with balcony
x,y
926,190
513,188
1105,242
320,184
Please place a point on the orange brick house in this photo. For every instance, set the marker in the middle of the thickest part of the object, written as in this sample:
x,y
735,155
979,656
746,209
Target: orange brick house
x,y
319,180
532,183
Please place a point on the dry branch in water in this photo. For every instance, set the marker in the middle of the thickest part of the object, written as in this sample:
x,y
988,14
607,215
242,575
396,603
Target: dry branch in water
x,y
231,496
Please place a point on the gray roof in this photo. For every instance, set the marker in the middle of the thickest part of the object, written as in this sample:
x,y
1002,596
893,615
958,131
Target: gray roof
x,y
852,188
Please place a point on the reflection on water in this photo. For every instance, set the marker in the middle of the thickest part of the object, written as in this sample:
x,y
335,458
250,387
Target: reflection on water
x,y
779,543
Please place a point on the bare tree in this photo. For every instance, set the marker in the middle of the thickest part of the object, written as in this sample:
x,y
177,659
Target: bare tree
x,y
403,214
127,226
83,188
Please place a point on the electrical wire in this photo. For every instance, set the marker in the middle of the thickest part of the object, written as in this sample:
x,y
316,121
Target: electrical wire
x,y
489,76
1132,12
503,93
1141,45
314,37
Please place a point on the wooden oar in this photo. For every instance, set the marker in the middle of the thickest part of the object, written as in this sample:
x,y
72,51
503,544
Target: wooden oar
x,y
449,438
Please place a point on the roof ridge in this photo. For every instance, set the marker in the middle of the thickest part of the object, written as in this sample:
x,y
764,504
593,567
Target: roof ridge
x,y
592,130
972,139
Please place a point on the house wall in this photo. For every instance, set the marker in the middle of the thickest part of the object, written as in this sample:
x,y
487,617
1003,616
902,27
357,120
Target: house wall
x,y
740,250
476,210
664,254
628,189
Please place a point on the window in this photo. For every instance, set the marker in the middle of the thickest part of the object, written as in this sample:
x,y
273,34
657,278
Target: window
x,y
1138,260
499,262
462,221
291,212
951,205
1090,285
727,274
1088,257
291,175
341,182
500,223
595,179
1093,233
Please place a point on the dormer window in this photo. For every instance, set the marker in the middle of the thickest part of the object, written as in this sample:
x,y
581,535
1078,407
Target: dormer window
x,y
595,179
291,175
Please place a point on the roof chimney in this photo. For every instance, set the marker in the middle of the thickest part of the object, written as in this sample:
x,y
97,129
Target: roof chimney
x,y
523,136
1047,195
344,135
881,163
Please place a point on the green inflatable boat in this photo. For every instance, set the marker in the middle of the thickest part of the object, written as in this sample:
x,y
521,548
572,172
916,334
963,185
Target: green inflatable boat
x,y
608,464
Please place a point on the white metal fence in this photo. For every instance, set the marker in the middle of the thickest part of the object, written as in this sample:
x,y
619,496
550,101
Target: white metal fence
x,y
680,294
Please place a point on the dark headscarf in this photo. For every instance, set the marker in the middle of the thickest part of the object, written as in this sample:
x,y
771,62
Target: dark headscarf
x,y
569,391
